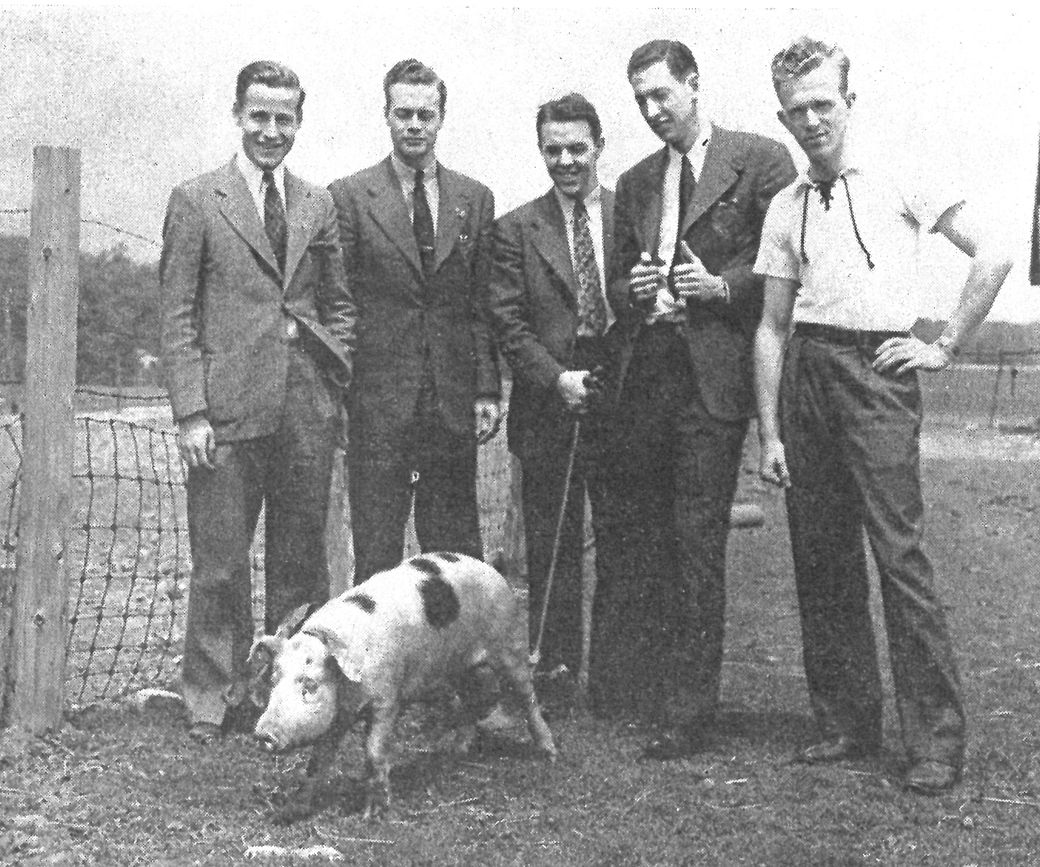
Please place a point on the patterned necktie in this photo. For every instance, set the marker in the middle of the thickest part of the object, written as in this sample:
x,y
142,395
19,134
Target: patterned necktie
x,y
274,218
592,309
422,223
687,184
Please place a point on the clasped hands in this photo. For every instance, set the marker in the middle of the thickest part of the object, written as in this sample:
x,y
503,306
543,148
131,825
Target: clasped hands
x,y
689,278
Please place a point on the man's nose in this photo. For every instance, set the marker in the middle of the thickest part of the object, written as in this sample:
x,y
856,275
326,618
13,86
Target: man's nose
x,y
811,118
653,107
270,128
566,159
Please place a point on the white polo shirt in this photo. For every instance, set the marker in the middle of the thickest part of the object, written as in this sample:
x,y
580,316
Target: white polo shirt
x,y
837,286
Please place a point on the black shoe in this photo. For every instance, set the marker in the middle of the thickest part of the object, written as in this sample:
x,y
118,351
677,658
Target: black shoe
x,y
932,778
835,750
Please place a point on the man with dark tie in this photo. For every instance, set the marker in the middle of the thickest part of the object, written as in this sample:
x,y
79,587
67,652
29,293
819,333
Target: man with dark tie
x,y
416,248
257,335
687,226
549,310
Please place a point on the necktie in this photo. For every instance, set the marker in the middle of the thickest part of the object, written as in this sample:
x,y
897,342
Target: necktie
x,y
422,224
592,309
274,218
687,184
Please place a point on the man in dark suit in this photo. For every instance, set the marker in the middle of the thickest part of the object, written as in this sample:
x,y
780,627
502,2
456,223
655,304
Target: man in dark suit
x,y
416,247
549,310
257,333
687,225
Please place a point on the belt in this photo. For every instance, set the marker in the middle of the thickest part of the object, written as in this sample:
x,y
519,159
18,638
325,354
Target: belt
x,y
844,336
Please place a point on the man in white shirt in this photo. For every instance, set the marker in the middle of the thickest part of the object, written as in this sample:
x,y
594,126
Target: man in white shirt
x,y
549,310
687,225
257,337
840,413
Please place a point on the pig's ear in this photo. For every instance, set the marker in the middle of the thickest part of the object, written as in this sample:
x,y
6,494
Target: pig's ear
x,y
292,622
261,658
349,656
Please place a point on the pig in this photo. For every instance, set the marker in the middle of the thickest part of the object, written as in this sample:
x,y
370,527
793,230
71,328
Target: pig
x,y
437,620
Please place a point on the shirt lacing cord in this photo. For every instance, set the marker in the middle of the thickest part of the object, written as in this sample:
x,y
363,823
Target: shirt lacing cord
x,y
825,196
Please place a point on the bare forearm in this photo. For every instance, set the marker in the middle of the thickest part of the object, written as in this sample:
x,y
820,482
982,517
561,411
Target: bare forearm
x,y
985,277
770,343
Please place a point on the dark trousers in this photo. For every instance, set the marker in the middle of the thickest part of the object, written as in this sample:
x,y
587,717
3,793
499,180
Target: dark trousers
x,y
288,474
381,468
851,438
658,619
543,460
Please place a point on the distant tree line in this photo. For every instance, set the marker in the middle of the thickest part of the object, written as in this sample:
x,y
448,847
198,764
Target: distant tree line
x,y
117,342
118,338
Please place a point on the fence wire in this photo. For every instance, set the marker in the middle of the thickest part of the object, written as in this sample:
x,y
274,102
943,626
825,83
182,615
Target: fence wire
x,y
128,541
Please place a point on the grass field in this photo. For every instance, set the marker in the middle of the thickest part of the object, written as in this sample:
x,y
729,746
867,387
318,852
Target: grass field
x,y
120,787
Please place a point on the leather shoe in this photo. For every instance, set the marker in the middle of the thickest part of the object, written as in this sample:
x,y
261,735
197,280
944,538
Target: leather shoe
x,y
931,778
204,733
671,744
834,750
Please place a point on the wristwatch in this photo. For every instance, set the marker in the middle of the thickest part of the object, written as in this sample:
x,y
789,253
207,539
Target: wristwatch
x,y
946,344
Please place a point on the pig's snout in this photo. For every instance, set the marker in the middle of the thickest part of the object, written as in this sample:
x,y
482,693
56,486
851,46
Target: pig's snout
x,y
268,738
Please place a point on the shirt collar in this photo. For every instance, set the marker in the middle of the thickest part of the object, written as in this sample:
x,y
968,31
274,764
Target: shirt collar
x,y
254,175
697,152
406,174
595,197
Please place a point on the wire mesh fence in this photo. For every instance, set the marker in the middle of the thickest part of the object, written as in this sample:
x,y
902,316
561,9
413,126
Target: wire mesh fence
x,y
128,539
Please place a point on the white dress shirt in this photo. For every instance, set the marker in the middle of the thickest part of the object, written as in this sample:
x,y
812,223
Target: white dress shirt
x,y
254,176
406,177
666,306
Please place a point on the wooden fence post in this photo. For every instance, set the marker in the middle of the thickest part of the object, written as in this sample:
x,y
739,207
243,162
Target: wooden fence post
x,y
34,671
994,404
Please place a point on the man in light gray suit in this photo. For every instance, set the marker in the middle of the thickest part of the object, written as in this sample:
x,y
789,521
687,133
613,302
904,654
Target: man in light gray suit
x,y
257,335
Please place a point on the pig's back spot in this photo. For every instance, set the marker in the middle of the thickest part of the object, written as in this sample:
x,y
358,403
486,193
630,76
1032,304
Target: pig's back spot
x,y
447,556
440,604
363,601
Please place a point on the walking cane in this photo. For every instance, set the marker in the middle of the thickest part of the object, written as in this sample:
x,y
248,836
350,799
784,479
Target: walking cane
x,y
536,654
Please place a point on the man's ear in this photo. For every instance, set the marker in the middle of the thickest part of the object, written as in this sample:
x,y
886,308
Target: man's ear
x,y
850,98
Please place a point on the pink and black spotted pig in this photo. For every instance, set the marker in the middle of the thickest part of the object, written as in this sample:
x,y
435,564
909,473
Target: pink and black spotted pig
x,y
435,621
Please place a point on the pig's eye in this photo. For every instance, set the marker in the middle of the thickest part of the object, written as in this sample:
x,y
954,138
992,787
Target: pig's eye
x,y
308,685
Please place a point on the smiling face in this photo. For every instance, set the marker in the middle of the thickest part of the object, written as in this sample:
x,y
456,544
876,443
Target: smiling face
x,y
668,105
414,115
816,112
570,153
269,119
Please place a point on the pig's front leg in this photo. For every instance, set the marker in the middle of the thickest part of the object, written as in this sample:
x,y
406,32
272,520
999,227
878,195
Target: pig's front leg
x,y
305,801
377,756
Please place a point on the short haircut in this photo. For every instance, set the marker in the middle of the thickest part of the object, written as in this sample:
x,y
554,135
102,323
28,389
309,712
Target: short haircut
x,y
680,60
806,54
572,107
271,74
412,71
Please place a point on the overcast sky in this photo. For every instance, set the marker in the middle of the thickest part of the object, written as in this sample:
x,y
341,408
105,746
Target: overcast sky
x,y
146,92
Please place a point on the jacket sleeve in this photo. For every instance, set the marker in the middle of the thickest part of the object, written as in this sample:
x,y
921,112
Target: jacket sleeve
x,y
180,278
336,302
526,354
774,170
488,379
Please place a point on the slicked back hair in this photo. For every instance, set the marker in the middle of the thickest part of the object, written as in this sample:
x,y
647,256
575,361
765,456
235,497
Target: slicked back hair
x,y
676,55
572,107
412,71
806,54
270,73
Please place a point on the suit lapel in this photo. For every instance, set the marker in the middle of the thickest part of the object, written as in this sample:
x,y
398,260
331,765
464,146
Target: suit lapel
x,y
300,214
717,176
389,210
452,212
239,209
549,237
608,231
652,206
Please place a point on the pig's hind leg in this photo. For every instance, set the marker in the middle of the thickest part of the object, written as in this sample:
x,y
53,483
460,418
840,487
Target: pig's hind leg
x,y
514,669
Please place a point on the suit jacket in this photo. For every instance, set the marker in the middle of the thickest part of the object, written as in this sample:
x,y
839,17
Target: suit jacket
x,y
534,306
226,305
408,322
723,225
